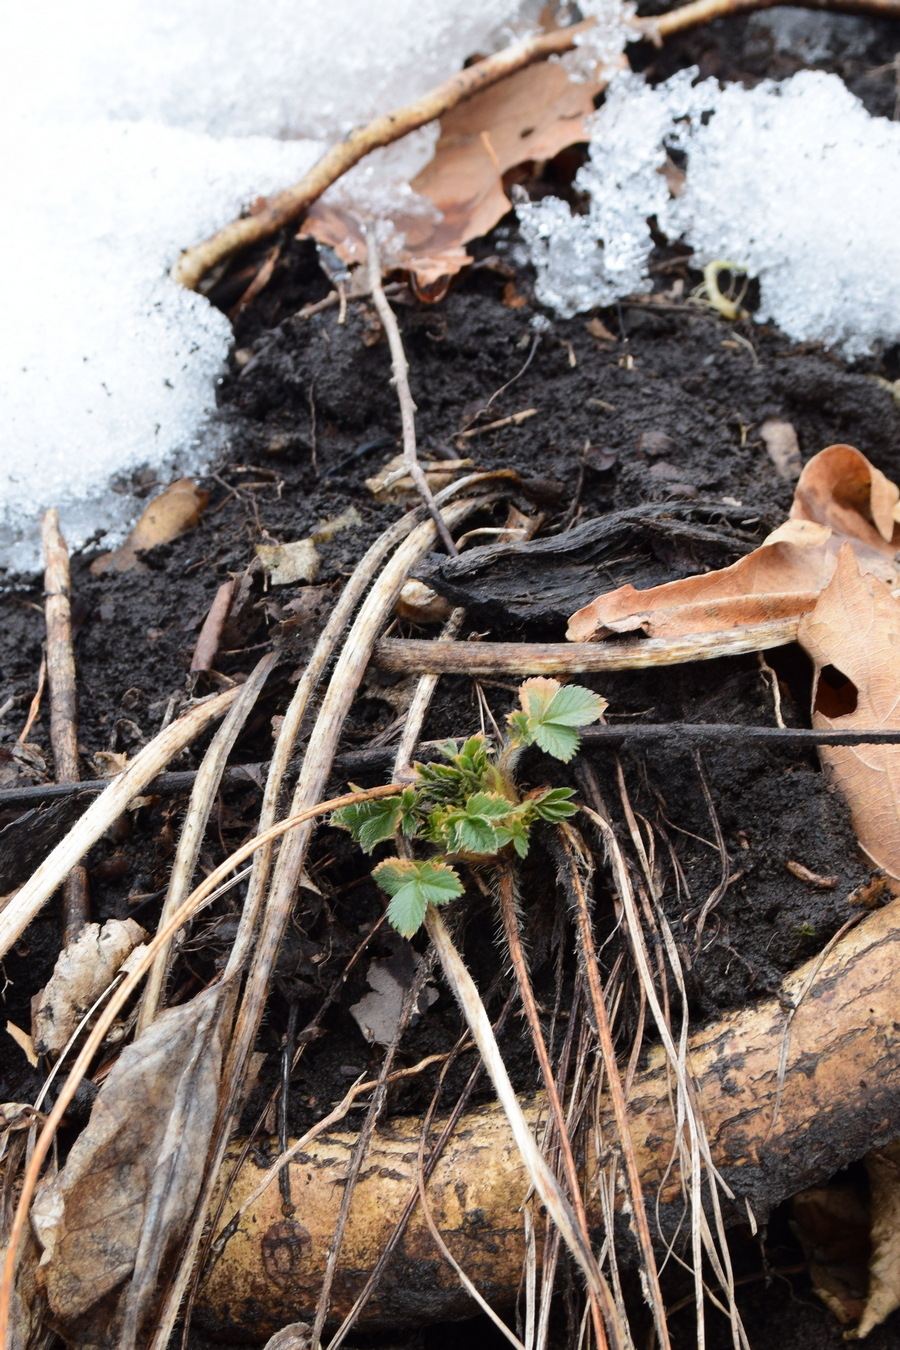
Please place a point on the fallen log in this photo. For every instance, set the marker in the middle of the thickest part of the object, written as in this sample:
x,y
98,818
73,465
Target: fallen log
x,y
791,1090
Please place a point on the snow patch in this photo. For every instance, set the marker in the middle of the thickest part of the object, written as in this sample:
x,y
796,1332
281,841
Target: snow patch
x,y
793,181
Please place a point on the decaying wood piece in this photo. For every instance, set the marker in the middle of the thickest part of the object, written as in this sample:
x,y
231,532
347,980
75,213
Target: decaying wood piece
x,y
840,1097
414,656
63,701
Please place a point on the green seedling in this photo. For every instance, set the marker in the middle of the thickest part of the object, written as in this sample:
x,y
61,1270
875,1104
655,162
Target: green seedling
x,y
469,808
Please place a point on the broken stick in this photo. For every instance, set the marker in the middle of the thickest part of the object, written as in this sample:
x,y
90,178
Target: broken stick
x,y
63,701
838,1098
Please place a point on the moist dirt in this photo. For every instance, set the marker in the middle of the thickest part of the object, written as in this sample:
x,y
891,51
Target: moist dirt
x,y
652,402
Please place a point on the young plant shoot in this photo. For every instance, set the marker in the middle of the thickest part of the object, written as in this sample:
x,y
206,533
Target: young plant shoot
x,y
470,808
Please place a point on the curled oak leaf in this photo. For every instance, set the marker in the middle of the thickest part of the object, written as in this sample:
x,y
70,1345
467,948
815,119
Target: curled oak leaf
x,y
529,116
840,498
853,639
121,1203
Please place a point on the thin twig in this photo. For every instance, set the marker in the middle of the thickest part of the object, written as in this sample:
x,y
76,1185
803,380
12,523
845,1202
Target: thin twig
x,y
63,701
291,204
400,367
573,849
706,11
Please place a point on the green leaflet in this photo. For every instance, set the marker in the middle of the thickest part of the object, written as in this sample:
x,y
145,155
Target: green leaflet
x,y
370,822
413,886
551,712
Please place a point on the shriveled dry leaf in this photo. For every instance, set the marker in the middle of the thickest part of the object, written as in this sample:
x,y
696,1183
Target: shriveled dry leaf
x,y
391,484
131,1180
840,498
883,1167
24,1042
378,1014
83,970
286,563
295,1336
782,447
833,1223
853,639
172,513
530,116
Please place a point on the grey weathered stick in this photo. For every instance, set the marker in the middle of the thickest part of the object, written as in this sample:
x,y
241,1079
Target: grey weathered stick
x,y
63,701
415,656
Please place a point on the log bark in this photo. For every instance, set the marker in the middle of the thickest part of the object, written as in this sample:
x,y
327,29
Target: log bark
x,y
840,1097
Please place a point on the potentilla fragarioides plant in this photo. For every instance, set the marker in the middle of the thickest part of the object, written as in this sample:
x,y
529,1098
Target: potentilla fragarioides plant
x,y
470,808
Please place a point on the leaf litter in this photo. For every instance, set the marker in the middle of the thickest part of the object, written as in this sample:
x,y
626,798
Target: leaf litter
x,y
129,1185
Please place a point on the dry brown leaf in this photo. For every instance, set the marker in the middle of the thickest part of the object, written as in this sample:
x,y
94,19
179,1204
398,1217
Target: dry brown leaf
x,y
172,513
883,1167
287,563
131,1180
853,639
24,1042
782,447
832,1223
83,970
530,116
840,498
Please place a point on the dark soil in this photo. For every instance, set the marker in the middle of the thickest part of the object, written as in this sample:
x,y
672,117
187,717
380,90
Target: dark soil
x,y
666,410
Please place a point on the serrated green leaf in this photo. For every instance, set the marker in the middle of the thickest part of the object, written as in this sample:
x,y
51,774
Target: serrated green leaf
x,y
555,804
574,706
560,742
536,695
369,822
414,886
491,805
474,834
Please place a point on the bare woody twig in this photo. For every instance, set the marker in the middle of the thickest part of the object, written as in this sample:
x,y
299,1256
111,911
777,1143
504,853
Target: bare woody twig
x,y
378,757
419,656
290,205
700,12
400,368
63,701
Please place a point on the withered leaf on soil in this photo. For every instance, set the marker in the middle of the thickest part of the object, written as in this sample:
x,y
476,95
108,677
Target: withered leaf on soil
x,y
530,116
83,970
883,1167
132,1178
839,498
172,513
853,638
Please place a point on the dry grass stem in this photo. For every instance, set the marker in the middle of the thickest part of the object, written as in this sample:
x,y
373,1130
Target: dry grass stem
x,y
104,811
206,785
63,701
701,12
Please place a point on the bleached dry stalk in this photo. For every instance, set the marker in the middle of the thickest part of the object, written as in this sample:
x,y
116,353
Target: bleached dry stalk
x,y
102,812
203,794
316,768
63,700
